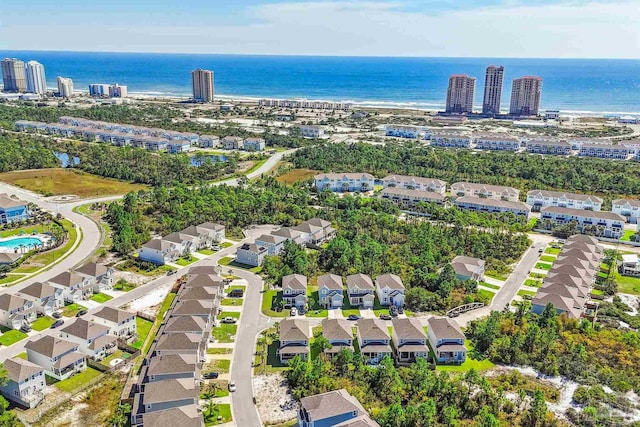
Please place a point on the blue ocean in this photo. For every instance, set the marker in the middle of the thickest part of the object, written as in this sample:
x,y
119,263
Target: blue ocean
x,y
604,86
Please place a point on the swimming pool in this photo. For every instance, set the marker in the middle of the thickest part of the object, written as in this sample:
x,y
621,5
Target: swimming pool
x,y
26,242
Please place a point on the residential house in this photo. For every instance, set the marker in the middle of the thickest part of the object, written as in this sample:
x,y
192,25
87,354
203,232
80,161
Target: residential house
x,y
628,208
162,395
315,231
159,251
409,340
216,232
630,265
415,183
198,308
156,144
290,234
232,143
204,293
339,334
480,204
450,140
121,323
13,209
8,258
273,243
485,191
539,199
101,276
390,290
343,182
209,141
254,144
25,382
360,290
561,148
30,126
75,287
468,268
171,367
333,409
185,243
251,254
311,131
406,198
401,131
605,224
604,151
497,141
93,339
186,325
183,416
205,235
47,299
295,335
180,343
330,291
179,147
59,358
16,311
374,339
294,290
446,340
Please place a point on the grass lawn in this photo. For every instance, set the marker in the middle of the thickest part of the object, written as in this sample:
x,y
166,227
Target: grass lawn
x,y
489,285
296,175
118,354
270,300
26,269
48,257
184,261
53,182
537,275
495,275
72,309
124,286
226,245
597,292
273,361
478,365
255,166
225,260
627,235
219,351
23,231
42,323
552,251
206,252
234,314
22,355
11,336
548,258
143,327
627,284
78,380
101,298
222,410
487,294
224,332
523,292
543,266
533,283
10,278
241,287
218,365
231,302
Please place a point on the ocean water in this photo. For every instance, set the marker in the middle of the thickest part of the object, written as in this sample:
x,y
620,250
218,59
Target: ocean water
x,y
571,85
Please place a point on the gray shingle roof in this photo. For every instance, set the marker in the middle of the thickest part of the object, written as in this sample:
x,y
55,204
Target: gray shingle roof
x,y
337,329
19,369
294,330
444,328
84,329
390,281
330,281
114,315
50,346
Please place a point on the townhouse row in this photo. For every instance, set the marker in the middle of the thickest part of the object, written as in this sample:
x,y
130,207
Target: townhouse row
x,y
406,342
315,105
63,356
21,308
168,386
567,286
181,243
152,139
313,233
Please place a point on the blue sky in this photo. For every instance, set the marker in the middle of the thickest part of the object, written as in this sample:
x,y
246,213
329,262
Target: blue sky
x,y
492,28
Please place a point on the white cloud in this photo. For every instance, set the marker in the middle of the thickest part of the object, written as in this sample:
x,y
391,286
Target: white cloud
x,y
593,30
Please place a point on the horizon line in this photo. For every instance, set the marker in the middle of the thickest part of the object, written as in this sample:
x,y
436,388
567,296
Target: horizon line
x,y
318,55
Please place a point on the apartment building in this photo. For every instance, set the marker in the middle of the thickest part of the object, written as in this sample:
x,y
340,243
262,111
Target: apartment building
x,y
402,131
415,183
485,191
202,85
492,90
409,198
540,146
480,204
450,140
343,182
254,144
605,224
604,151
539,199
497,142
525,96
460,94
311,131
628,208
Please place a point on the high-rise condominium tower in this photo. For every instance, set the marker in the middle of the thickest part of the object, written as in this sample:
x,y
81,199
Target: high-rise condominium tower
x,y
36,81
492,90
460,93
65,87
525,96
13,75
202,81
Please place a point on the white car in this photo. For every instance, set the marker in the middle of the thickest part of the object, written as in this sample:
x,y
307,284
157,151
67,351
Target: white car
x,y
232,386
294,311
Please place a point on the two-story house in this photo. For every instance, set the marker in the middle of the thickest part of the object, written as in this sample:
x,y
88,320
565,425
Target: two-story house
x,y
339,334
409,340
101,276
59,358
194,344
330,290
360,290
315,231
121,323
290,234
12,210
185,243
25,382
539,199
333,409
294,290
162,395
171,367
468,268
628,208
159,251
75,287
446,340
374,340
295,335
47,299
16,311
186,324
183,416
273,243
232,143
92,338
251,254
209,141
203,309
390,290
254,144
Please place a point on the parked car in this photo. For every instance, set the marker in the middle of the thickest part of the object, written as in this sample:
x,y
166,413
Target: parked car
x,y
294,311
25,328
232,386
229,320
210,375
236,293
454,314
385,317
57,323
401,310
56,315
171,272
541,250
353,317
81,313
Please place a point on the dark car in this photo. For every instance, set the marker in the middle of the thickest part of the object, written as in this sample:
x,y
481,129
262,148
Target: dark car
x,y
454,314
25,328
171,272
56,315
385,317
81,313
210,375
353,317
57,324
236,293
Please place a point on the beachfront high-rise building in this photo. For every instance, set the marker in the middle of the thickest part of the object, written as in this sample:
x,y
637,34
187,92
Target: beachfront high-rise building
x,y
525,96
460,93
117,91
492,90
36,81
98,89
13,75
65,87
202,81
